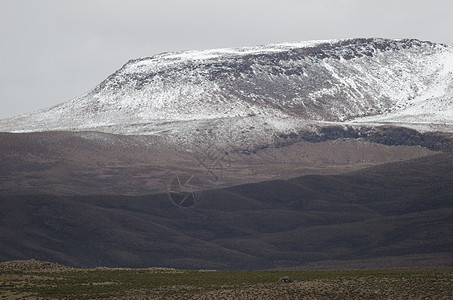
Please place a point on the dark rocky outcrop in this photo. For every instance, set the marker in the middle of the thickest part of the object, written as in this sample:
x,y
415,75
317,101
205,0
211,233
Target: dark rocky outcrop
x,y
387,135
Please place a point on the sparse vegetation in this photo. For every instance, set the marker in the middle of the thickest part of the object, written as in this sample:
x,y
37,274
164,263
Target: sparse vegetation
x,y
190,284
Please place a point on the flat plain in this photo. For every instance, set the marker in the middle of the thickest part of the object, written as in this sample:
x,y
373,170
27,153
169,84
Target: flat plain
x,y
41,280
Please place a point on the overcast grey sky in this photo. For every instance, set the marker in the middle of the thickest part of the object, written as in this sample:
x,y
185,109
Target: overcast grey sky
x,y
54,50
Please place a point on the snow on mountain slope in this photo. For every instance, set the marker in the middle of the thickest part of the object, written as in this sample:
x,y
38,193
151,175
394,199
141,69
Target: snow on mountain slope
x,y
263,90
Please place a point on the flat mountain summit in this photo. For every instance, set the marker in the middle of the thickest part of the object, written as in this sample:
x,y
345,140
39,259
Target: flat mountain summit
x,y
267,89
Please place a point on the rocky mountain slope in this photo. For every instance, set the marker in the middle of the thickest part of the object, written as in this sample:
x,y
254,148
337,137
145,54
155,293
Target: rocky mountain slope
x,y
312,155
256,92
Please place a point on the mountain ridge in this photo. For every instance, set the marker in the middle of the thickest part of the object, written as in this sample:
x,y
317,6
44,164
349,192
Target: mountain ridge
x,y
275,89
393,215
307,155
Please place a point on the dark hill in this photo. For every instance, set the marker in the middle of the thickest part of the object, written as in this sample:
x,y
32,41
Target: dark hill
x,y
397,214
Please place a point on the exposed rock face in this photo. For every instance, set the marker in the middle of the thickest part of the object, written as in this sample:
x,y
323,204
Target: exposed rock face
x,y
386,135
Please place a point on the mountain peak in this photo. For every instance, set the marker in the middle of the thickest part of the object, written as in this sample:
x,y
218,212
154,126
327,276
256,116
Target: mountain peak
x,y
367,45
350,81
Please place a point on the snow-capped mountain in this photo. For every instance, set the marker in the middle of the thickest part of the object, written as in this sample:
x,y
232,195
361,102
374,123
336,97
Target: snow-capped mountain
x,y
264,89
